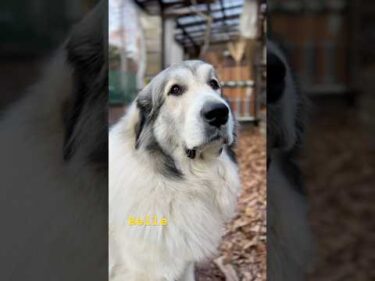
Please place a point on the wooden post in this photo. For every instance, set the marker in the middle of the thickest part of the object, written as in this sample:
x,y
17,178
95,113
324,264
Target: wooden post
x,y
162,13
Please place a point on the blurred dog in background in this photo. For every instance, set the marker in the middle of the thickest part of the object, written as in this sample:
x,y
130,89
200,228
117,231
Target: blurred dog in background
x,y
288,233
53,142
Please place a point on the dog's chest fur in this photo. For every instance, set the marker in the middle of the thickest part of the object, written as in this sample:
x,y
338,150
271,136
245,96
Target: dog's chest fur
x,y
196,207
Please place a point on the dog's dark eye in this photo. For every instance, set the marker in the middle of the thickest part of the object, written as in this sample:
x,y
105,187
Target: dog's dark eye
x,y
214,84
176,90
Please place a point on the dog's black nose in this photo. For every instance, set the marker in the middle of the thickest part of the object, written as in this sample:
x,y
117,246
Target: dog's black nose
x,y
215,114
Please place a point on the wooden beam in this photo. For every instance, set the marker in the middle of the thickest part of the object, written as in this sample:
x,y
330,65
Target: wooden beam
x,y
162,34
213,41
229,28
188,11
223,11
202,22
187,35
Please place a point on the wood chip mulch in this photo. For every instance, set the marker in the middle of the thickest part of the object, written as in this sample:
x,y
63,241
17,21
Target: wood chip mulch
x,y
242,254
339,172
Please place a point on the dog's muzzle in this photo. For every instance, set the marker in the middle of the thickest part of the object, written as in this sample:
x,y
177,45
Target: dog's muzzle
x,y
215,115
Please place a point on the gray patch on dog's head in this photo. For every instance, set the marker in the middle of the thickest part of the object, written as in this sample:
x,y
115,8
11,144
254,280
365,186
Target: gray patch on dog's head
x,y
192,65
212,74
149,102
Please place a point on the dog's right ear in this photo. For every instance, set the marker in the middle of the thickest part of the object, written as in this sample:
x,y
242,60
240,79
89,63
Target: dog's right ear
x,y
276,71
139,115
138,127
144,105
86,50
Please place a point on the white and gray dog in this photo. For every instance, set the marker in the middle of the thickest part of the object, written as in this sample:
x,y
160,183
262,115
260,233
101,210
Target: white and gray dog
x,y
173,181
288,232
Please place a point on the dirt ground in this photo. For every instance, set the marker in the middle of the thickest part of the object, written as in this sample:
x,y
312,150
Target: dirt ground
x,y
242,254
338,166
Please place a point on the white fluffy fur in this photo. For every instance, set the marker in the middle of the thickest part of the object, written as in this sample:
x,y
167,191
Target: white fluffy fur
x,y
196,206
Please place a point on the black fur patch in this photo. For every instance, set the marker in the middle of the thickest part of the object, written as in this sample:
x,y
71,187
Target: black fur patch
x,y
148,115
231,153
276,72
98,155
191,153
86,52
194,65
139,126
168,166
71,114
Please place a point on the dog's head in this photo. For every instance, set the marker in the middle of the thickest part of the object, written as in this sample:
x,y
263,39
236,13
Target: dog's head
x,y
183,111
285,104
